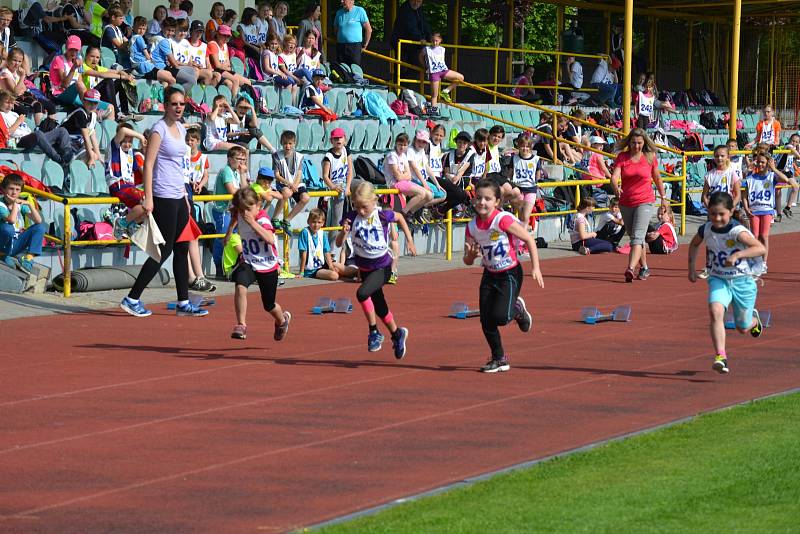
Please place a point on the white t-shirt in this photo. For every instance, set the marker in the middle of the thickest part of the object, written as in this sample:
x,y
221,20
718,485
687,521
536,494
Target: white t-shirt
x,y
10,118
216,131
435,59
262,256
339,167
575,221
180,50
420,158
197,54
400,161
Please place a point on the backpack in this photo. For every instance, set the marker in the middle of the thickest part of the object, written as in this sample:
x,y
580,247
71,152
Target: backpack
x,y
373,104
340,73
366,169
692,142
415,107
98,231
708,120
311,176
29,180
399,107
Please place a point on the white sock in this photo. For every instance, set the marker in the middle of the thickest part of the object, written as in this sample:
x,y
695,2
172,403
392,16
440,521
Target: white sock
x,y
183,303
446,90
132,301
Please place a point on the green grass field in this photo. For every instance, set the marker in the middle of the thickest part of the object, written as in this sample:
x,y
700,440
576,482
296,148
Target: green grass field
x,y
737,470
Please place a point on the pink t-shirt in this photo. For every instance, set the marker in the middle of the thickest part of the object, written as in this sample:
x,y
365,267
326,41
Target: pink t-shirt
x,y
594,166
636,180
59,68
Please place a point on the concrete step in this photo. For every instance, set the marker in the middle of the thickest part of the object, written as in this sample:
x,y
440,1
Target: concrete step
x,y
16,281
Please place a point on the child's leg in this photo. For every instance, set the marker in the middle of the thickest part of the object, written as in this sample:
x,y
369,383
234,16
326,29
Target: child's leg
x,y
240,304
298,206
527,209
597,246
793,195
395,247
716,313
370,295
435,92
417,198
327,274
29,241
6,237
744,292
498,296
454,78
268,284
195,265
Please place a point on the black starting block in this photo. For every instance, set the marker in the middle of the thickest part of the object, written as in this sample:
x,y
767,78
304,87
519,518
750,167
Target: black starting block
x,y
197,300
461,310
592,315
730,324
328,305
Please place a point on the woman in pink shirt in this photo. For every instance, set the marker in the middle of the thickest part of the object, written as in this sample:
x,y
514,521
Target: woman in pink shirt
x,y
636,166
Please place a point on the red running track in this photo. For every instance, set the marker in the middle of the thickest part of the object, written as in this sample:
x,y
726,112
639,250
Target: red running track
x,y
112,423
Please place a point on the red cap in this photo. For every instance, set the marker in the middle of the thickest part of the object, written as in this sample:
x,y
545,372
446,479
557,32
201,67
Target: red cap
x,y
224,30
337,132
73,42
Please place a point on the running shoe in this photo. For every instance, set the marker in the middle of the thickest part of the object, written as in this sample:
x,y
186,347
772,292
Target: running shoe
x,y
644,274
522,316
445,96
583,251
758,329
496,366
10,261
392,278
764,268
280,331
778,218
703,275
788,211
239,332
628,275
374,341
202,284
720,364
25,264
135,308
190,310
120,226
399,338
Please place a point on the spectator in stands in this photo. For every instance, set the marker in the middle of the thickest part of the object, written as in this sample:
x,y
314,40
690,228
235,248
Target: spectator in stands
x,y
218,123
270,63
230,179
33,17
215,20
276,24
248,28
165,198
197,52
663,239
288,167
108,82
188,7
605,81
287,65
78,23
397,170
617,53
113,38
662,106
636,167
316,260
264,12
410,25
175,10
221,61
95,12
196,179
127,17
353,32
455,164
481,155
236,43
154,27
247,129
310,24
433,57
7,41
12,79
291,60
165,57
419,161
55,143
81,125
574,74
596,163
521,89
337,173
584,240
612,227
121,165
789,164
64,72
140,56
308,57
19,245
768,129
313,100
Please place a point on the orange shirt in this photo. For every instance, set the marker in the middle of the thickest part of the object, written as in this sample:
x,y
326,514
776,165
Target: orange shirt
x,y
769,133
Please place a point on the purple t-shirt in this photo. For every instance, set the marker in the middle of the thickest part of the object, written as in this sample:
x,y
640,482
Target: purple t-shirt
x,y
169,167
371,264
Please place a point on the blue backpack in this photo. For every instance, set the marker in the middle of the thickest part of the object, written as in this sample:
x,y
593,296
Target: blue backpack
x,y
311,176
376,106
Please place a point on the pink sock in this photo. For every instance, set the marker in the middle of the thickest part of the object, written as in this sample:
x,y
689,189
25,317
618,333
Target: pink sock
x,y
368,306
388,318
722,353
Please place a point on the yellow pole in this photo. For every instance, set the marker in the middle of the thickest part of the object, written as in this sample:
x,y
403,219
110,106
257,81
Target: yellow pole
x,y
456,37
286,237
688,80
555,137
448,252
733,99
559,31
626,67
683,196
323,17
771,99
67,252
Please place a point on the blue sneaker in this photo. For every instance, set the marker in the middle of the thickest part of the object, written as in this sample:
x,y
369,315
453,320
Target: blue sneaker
x,y
374,341
136,309
399,342
25,264
190,310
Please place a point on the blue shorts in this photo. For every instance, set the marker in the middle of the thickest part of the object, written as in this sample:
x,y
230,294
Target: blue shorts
x,y
741,290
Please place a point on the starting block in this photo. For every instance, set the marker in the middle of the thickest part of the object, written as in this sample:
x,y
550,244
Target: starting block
x,y
592,315
765,315
327,305
461,310
197,300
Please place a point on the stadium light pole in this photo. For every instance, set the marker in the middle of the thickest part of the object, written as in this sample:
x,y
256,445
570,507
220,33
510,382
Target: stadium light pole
x,y
626,67
733,99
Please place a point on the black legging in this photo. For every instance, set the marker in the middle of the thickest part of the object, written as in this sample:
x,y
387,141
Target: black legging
x,y
455,194
171,216
498,297
371,287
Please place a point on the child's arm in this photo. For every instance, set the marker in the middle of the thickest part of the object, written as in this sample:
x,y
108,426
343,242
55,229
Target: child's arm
x,y
693,246
522,234
303,258
129,132
706,193
203,181
13,212
326,176
231,226
298,177
399,219
13,127
263,233
737,192
754,249
329,261
615,182
583,234
340,237
349,174
471,251
604,168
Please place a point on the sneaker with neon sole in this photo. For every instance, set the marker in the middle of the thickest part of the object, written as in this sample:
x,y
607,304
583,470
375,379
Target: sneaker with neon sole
x,y
720,364
758,328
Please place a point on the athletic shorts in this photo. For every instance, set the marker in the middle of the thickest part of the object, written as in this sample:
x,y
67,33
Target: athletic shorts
x,y
498,178
244,275
636,220
297,195
128,194
741,291
438,76
404,186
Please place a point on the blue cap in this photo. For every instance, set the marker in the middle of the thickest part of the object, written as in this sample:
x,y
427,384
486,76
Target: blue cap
x,y
266,172
318,72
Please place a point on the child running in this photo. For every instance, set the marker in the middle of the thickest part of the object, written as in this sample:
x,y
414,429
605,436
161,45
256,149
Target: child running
x,y
259,262
759,202
492,235
368,226
733,260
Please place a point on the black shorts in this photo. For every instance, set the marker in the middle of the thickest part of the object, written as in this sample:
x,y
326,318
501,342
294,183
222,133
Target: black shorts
x,y
297,195
498,178
528,190
152,75
244,275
